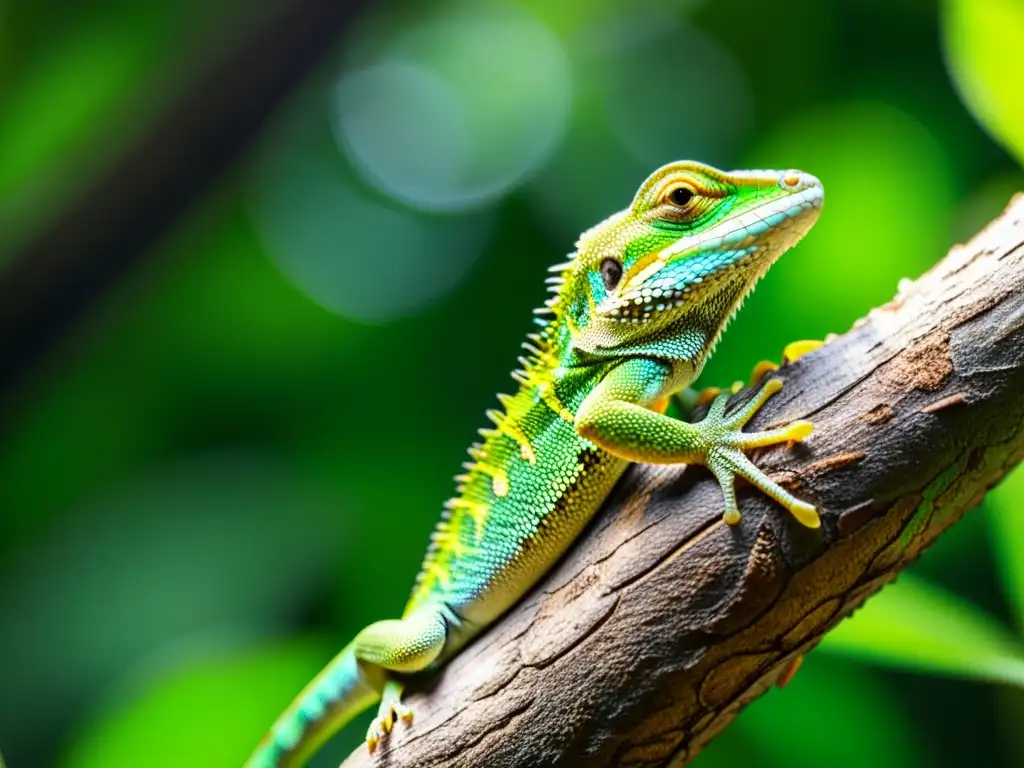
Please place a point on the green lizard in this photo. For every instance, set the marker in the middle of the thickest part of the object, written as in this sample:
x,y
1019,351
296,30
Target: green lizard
x,y
636,313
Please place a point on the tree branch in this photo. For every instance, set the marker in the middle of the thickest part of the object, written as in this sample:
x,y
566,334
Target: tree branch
x,y
662,622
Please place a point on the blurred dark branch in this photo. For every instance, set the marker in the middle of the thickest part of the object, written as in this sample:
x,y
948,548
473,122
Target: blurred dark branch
x,y
111,224
662,622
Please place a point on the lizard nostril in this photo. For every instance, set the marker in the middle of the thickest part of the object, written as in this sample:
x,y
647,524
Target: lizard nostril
x,y
791,179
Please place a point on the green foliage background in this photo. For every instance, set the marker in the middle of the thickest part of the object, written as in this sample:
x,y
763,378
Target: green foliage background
x,y
234,463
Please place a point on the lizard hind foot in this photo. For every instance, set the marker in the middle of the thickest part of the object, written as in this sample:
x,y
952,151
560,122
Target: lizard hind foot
x,y
391,710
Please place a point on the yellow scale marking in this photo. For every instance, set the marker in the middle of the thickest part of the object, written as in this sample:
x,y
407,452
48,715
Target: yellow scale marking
x,y
477,513
508,426
439,573
448,539
499,479
536,373
548,395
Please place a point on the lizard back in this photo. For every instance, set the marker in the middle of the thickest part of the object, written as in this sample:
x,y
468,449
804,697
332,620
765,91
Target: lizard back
x,y
529,488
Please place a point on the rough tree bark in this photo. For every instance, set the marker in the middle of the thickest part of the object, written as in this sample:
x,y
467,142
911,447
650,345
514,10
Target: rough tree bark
x,y
662,622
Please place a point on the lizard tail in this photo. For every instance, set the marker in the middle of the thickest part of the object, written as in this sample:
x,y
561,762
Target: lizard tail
x,y
340,692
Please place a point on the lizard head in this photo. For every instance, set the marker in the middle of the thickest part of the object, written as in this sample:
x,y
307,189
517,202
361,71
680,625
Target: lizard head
x,y
663,277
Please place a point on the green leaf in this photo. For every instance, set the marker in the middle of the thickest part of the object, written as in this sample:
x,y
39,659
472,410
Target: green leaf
x,y
794,727
1007,526
210,709
193,546
916,625
985,57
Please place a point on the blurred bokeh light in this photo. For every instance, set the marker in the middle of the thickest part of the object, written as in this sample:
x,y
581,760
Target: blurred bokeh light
x,y
319,223
453,110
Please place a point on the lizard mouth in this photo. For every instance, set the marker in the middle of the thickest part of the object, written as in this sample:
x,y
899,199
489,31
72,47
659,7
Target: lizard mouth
x,y
695,266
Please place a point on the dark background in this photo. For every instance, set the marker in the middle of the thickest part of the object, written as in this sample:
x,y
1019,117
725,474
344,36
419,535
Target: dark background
x,y
262,269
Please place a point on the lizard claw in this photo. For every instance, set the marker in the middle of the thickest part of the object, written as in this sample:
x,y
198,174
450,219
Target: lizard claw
x,y
374,735
761,370
404,713
385,722
797,349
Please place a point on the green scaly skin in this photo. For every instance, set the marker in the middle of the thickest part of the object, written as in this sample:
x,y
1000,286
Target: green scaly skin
x,y
636,313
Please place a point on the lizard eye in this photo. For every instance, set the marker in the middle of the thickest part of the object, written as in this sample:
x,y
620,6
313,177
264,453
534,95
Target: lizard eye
x,y
611,273
680,196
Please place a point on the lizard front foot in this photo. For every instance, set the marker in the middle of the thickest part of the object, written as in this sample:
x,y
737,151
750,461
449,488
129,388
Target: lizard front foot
x,y
726,442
